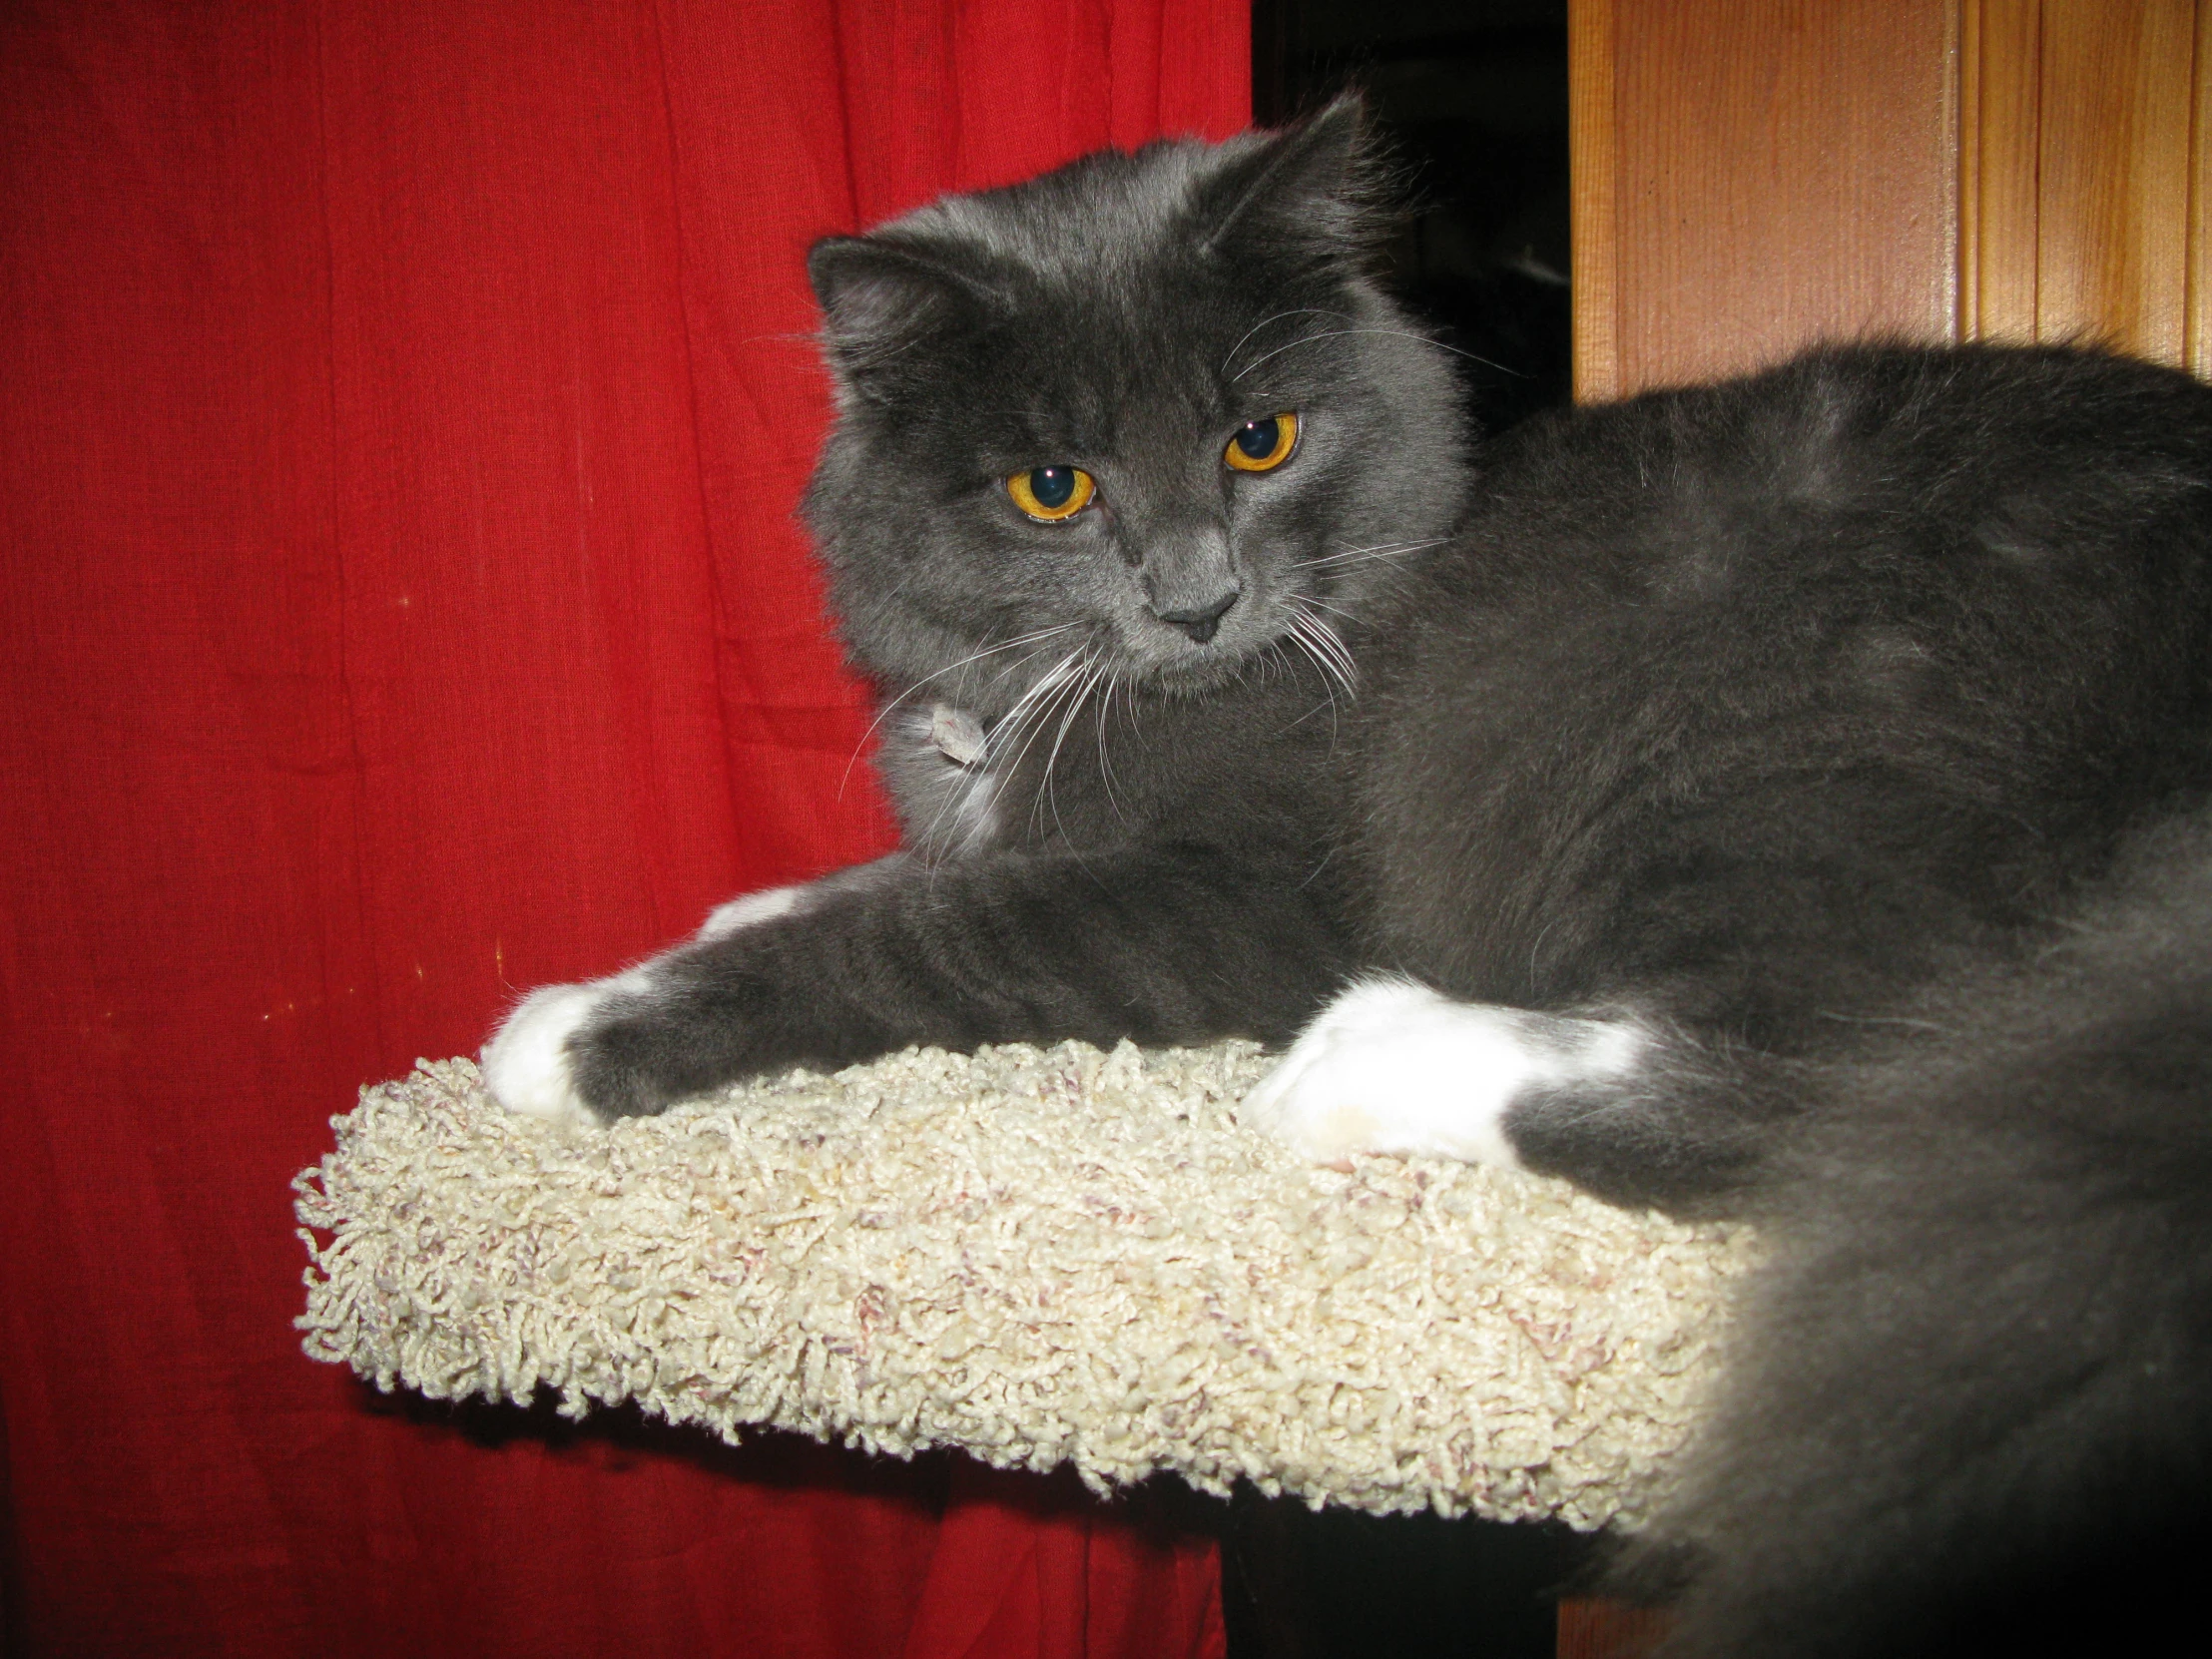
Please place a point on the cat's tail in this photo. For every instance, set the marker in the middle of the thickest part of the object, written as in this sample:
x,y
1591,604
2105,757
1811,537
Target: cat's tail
x,y
1971,1409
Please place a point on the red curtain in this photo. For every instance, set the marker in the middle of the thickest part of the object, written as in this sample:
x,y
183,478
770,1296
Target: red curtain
x,y
402,404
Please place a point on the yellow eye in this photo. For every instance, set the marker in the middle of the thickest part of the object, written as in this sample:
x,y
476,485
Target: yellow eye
x,y
1263,445
1049,494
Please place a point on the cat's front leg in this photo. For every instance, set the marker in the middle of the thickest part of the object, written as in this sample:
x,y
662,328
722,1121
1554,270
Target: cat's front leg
x,y
1174,944
1634,1106
532,1062
1392,1066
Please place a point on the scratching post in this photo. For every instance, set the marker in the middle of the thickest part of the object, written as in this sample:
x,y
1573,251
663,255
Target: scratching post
x,y
1039,1257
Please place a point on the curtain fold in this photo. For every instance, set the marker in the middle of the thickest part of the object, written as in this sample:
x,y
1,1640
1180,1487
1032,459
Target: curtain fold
x,y
402,408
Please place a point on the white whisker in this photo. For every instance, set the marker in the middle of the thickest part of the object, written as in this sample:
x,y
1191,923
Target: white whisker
x,y
1326,645
1045,795
890,705
1403,333
1105,763
1009,728
1310,310
1328,681
1362,555
1025,721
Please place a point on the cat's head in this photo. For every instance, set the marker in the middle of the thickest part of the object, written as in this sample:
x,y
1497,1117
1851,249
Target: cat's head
x,y
1150,409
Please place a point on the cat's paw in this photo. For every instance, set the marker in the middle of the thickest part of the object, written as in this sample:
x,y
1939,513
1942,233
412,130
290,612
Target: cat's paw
x,y
1395,1067
528,1065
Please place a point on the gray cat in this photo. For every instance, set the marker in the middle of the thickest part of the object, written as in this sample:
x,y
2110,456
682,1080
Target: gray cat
x,y
1744,799
1120,453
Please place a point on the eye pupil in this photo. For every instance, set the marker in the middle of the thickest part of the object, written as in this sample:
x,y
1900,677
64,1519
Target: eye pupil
x,y
1258,440
1052,494
1261,445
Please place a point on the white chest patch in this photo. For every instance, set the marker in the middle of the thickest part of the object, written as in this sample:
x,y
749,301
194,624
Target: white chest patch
x,y
956,749
959,736
1392,1066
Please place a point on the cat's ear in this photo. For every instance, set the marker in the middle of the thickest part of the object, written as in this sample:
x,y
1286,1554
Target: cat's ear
x,y
880,298
1317,189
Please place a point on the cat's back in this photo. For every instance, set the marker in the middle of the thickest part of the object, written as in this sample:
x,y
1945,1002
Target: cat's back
x,y
1863,460
1855,505
1941,609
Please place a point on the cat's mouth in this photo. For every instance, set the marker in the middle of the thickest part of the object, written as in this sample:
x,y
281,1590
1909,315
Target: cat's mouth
x,y
1175,658
1199,622
1291,625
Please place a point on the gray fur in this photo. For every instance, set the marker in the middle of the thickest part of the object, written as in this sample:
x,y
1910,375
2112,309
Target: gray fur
x,y
1802,719
1144,846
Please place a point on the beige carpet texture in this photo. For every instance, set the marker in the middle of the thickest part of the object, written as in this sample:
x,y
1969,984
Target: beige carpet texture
x,y
1037,1257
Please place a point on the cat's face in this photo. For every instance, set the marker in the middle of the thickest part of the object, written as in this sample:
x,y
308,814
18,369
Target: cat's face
x,y
1142,419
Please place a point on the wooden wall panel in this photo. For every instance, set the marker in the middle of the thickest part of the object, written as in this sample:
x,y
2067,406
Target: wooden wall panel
x,y
2082,170
1593,169
2000,107
1754,175
1751,174
2197,304
2113,195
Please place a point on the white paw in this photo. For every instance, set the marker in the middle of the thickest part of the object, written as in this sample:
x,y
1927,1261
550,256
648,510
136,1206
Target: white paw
x,y
1396,1067
525,1065
750,909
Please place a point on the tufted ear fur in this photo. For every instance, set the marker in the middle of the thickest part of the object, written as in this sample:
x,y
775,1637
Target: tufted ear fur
x,y
1317,189
879,295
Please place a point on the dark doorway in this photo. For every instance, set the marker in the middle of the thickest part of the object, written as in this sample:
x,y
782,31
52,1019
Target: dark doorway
x,y
1472,96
